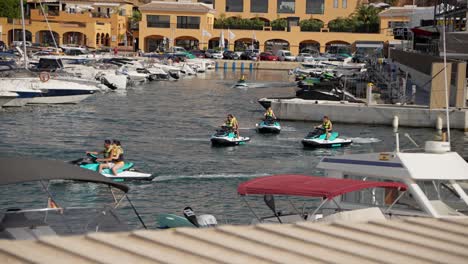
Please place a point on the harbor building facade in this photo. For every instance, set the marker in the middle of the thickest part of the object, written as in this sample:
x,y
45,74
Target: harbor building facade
x,y
92,23
265,24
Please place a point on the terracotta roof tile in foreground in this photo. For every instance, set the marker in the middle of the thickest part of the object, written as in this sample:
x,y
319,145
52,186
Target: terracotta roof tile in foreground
x,y
414,240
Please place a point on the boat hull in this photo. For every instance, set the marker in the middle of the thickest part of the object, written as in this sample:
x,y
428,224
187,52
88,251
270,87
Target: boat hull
x,y
272,128
225,141
64,99
321,143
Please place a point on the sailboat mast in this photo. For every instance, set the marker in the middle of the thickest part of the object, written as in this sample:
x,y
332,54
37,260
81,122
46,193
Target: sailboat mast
x,y
25,55
447,85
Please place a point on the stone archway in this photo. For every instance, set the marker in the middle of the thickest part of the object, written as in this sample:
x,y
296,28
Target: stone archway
x,y
309,46
98,39
156,43
277,44
213,43
74,38
187,42
17,35
47,38
337,47
246,44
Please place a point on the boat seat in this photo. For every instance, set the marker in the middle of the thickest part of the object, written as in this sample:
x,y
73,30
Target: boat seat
x,y
443,209
359,215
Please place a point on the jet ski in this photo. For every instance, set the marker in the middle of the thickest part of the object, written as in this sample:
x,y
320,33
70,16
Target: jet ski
x,y
317,139
126,173
190,219
227,137
269,126
241,83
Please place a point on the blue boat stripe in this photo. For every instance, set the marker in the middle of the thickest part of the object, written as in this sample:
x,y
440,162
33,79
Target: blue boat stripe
x,y
364,162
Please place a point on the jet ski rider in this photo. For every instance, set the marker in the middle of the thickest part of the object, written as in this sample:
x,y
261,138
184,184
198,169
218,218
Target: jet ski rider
x,y
327,126
106,152
113,156
269,115
232,124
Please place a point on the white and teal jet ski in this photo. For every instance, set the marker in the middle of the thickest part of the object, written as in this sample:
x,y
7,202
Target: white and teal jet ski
x,y
227,137
241,84
126,173
317,139
269,126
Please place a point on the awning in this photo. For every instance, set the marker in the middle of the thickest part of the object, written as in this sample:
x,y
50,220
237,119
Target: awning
x,y
19,170
311,186
425,31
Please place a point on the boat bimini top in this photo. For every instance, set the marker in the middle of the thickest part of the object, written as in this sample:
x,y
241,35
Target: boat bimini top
x,y
307,186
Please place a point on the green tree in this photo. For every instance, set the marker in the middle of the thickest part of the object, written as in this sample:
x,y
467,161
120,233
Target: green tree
x,y
279,24
366,19
341,25
10,8
313,25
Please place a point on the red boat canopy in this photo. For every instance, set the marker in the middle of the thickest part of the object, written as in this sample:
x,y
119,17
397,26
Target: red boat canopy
x,y
313,186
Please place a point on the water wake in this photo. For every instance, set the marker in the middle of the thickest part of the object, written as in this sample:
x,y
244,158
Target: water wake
x,y
359,140
206,176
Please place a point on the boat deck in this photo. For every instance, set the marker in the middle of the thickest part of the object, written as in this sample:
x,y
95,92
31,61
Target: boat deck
x,y
414,240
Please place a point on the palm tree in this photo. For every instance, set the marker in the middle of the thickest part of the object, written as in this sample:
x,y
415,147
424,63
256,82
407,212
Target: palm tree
x,y
368,16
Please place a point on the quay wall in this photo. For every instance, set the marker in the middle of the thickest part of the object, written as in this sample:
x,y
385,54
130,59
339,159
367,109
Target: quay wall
x,y
257,65
409,116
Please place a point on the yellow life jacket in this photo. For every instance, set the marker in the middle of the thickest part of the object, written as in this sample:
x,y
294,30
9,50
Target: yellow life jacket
x,y
326,125
269,113
108,151
118,154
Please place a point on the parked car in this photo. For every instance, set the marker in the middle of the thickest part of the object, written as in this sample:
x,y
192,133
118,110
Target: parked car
x,y
268,56
248,55
230,55
285,55
304,57
198,53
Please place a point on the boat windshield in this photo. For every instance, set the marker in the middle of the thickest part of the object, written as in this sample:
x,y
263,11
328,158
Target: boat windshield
x,y
62,221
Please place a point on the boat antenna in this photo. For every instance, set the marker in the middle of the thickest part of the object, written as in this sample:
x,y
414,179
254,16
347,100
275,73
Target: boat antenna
x,y
25,55
447,117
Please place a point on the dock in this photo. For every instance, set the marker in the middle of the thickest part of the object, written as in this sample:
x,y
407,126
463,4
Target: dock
x,y
256,65
413,240
361,113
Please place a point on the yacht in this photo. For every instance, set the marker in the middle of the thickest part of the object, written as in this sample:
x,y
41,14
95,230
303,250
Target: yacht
x,y
52,91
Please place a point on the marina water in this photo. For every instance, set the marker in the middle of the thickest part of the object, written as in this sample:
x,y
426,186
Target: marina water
x,y
165,129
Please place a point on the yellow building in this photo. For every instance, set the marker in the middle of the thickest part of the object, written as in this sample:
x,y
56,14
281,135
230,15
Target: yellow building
x,y
93,23
191,23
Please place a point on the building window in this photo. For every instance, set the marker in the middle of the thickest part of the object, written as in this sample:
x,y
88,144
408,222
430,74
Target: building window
x,y
344,4
158,21
209,2
234,5
315,6
286,6
188,22
259,6
335,3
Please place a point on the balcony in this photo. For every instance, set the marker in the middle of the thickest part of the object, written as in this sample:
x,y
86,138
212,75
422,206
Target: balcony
x,y
188,26
158,24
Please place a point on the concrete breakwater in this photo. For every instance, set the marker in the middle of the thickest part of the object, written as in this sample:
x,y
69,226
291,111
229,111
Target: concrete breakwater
x,y
359,113
256,65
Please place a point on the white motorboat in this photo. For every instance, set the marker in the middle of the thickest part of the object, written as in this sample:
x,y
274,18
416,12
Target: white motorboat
x,y
6,97
132,74
25,93
52,91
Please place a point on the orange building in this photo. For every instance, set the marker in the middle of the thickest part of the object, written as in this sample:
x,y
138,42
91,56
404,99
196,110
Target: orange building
x,y
192,23
92,23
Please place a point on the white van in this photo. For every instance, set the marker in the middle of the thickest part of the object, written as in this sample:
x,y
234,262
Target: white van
x,y
285,55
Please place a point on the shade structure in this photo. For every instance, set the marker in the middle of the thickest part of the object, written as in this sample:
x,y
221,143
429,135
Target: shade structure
x,y
18,170
311,186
